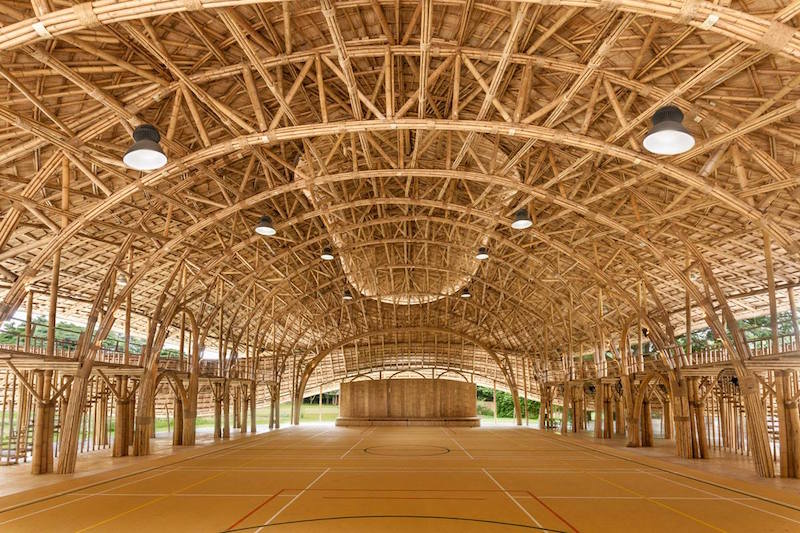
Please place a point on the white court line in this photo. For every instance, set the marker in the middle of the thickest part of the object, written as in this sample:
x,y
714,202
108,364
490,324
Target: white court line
x,y
521,497
626,498
189,494
458,444
228,450
56,506
292,500
368,432
726,498
510,497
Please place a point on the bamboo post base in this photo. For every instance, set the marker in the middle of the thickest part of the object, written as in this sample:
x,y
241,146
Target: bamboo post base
x,y
789,427
70,423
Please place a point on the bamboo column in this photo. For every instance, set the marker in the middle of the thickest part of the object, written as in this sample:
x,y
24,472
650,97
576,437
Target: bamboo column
x,y
788,426
243,401
647,423
271,399
226,409
122,430
568,376
567,401
236,404
70,422
699,440
217,394
190,405
177,429
633,413
619,428
525,390
684,437
598,408
276,406
253,404
101,428
607,416
39,458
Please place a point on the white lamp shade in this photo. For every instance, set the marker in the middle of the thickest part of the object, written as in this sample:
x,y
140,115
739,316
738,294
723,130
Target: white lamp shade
x,y
668,136
522,220
668,142
482,255
265,227
145,154
143,157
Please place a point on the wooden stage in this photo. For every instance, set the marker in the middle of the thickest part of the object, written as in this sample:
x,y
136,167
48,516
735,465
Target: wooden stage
x,y
382,479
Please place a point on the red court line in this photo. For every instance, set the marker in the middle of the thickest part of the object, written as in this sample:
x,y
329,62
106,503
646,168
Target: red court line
x,y
573,528
262,504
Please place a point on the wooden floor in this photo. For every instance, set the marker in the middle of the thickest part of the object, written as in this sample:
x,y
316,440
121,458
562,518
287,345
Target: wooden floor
x,y
316,478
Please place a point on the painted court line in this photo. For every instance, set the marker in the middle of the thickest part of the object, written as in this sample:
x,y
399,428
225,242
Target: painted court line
x,y
737,500
658,469
227,449
458,444
367,433
186,495
262,504
661,504
148,503
292,500
573,528
510,497
56,506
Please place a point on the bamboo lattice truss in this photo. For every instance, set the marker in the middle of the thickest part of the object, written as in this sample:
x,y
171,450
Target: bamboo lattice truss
x,y
400,137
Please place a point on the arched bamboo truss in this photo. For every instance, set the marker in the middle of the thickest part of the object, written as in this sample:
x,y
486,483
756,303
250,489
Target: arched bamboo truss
x,y
404,135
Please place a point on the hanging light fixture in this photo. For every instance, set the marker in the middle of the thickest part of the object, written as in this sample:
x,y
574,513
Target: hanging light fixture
x,y
668,136
265,226
327,254
522,220
347,295
465,293
145,153
122,279
483,254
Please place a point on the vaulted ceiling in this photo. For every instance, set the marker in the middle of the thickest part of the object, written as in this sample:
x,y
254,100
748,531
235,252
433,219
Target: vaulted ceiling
x,y
404,135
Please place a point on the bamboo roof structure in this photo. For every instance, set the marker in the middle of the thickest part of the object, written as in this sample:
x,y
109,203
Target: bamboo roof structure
x,y
403,135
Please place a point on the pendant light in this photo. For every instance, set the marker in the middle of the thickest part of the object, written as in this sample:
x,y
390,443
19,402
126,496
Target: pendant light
x,y
668,136
327,254
465,293
483,254
265,226
347,295
522,220
145,153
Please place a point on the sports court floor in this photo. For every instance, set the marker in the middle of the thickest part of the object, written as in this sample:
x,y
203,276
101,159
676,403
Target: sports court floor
x,y
381,479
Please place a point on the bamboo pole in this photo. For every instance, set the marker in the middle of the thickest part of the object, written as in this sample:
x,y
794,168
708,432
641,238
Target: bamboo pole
x,y
253,405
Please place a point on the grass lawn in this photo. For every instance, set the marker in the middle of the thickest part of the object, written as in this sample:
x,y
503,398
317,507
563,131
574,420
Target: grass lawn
x,y
308,413
311,413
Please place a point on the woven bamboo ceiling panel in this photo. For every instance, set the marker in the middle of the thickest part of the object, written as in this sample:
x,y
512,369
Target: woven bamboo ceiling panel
x,y
402,135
